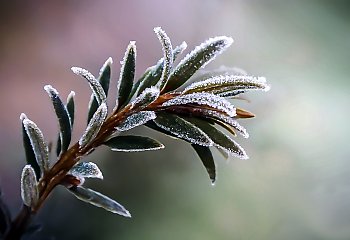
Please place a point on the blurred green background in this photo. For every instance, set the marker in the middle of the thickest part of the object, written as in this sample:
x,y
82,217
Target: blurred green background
x,y
296,184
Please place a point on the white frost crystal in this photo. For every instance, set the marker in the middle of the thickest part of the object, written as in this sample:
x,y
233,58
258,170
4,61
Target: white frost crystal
x,y
86,170
136,119
203,99
148,96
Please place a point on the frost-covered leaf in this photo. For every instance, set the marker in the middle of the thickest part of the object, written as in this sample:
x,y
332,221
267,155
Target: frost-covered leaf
x,y
136,119
99,200
28,149
208,99
182,129
94,125
133,144
227,85
153,74
71,107
95,85
167,56
104,79
197,59
148,96
29,188
5,217
219,138
38,143
62,116
228,120
86,170
127,74
206,156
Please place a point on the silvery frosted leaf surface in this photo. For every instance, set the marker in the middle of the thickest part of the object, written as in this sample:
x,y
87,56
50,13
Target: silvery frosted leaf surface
x,y
220,139
197,59
133,144
228,83
207,159
95,85
29,188
179,49
86,170
99,200
38,143
168,56
228,120
62,116
182,129
136,119
127,74
94,125
148,96
203,99
104,79
28,149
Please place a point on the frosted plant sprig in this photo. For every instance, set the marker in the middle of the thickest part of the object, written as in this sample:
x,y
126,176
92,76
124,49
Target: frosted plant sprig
x,y
200,113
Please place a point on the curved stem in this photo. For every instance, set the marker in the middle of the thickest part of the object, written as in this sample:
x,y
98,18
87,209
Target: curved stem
x,y
19,225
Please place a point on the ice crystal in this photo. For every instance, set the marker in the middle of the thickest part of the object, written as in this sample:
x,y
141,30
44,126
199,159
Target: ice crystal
x,y
95,86
29,189
108,63
203,99
136,119
94,125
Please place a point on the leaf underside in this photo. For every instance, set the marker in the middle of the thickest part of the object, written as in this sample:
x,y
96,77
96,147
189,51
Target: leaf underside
x,y
133,144
207,159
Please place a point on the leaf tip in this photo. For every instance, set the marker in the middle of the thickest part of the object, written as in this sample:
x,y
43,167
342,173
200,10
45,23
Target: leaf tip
x,y
22,117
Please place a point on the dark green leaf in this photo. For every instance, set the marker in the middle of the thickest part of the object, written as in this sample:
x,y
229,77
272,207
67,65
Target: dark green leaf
x,y
99,200
219,138
206,156
71,107
104,79
38,144
127,74
153,74
95,85
62,116
29,152
133,144
29,188
167,56
198,58
182,129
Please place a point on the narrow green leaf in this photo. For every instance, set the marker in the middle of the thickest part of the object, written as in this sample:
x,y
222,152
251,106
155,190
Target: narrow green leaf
x,y
206,156
84,170
148,96
219,138
153,74
104,79
29,188
94,125
182,129
135,120
127,75
167,56
228,85
95,85
38,143
29,152
133,144
195,60
71,107
62,116
99,200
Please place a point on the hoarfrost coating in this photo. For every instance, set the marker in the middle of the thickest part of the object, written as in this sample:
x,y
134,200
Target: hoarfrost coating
x,y
136,119
86,170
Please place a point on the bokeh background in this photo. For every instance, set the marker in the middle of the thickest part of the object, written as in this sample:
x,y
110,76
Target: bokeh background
x,y
296,184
